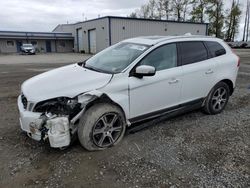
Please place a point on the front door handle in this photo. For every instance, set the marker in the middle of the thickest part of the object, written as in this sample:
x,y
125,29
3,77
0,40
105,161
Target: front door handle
x,y
210,71
173,81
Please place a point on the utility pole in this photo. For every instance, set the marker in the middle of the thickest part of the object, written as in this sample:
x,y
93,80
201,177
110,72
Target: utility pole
x,y
245,31
248,19
231,20
245,25
83,16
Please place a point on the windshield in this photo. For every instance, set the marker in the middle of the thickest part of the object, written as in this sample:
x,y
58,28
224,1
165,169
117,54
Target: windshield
x,y
27,45
116,58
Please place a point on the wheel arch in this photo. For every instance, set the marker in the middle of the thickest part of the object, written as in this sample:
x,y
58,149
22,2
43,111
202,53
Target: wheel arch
x,y
104,98
230,85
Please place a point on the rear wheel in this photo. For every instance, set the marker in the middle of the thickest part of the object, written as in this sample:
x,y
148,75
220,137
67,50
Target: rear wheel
x,y
217,99
102,125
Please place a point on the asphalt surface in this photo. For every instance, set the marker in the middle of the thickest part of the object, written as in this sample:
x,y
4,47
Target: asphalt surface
x,y
191,150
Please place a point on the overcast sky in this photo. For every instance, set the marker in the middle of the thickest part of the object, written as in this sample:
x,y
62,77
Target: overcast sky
x,y
44,15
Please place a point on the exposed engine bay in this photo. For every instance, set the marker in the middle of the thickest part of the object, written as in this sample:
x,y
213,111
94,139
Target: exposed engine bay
x,y
58,119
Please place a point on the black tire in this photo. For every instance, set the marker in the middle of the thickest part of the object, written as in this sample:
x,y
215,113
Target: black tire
x,y
217,99
102,125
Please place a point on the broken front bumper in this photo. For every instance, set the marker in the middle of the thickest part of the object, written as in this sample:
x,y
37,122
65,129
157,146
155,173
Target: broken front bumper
x,y
40,127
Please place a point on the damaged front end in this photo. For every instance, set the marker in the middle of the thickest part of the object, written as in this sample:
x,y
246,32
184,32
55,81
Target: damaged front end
x,y
55,119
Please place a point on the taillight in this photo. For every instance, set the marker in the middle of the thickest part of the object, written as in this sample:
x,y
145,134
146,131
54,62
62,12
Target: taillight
x,y
238,62
238,65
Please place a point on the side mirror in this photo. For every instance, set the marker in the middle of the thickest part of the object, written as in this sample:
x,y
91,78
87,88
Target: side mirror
x,y
144,70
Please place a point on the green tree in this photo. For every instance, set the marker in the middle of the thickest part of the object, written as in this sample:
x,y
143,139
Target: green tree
x,y
180,9
232,21
152,6
160,9
215,13
198,12
133,15
222,23
167,9
144,11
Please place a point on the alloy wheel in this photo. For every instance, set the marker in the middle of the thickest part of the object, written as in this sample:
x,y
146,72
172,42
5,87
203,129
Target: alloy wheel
x,y
107,130
219,99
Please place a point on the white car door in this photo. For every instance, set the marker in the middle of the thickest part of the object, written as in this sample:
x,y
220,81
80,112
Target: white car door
x,y
149,95
198,71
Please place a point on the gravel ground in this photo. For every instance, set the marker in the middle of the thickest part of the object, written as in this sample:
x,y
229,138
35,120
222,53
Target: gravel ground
x,y
191,150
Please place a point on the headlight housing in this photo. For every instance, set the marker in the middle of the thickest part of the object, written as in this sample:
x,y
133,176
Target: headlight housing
x,y
59,106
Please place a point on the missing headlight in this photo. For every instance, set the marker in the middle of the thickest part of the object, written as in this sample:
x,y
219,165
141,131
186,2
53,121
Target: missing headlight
x,y
59,106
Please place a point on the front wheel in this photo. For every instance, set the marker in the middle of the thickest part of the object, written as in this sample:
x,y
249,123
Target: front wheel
x,y
217,99
102,125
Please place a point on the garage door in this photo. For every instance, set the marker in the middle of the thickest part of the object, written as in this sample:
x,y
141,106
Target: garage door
x,y
92,41
80,40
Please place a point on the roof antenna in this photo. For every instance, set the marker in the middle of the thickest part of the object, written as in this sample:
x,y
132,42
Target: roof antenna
x,y
187,34
83,16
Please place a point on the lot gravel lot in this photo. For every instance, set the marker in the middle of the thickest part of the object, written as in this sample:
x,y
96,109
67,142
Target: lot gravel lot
x,y
191,150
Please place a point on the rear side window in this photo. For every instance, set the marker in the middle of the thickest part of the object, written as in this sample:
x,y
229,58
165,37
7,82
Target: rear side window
x,y
215,48
164,57
192,52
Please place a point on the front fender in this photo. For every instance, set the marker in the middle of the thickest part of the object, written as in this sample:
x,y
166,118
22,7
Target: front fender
x,y
120,99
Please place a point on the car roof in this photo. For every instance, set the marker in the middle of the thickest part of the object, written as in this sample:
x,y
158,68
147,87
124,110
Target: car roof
x,y
152,40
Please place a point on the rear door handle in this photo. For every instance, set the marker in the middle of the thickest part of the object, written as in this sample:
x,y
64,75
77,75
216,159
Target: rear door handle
x,y
173,81
210,71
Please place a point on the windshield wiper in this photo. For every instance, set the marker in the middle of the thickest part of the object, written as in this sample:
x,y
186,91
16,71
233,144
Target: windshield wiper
x,y
83,64
92,68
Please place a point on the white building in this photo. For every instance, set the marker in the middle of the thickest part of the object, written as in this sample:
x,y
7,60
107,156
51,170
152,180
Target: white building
x,y
11,41
92,36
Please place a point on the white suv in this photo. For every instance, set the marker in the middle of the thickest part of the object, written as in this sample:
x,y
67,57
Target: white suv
x,y
134,80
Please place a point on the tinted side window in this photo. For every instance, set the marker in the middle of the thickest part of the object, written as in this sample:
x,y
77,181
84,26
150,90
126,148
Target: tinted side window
x,y
215,48
192,52
164,57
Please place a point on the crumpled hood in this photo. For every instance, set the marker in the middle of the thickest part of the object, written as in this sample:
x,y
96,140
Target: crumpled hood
x,y
67,81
